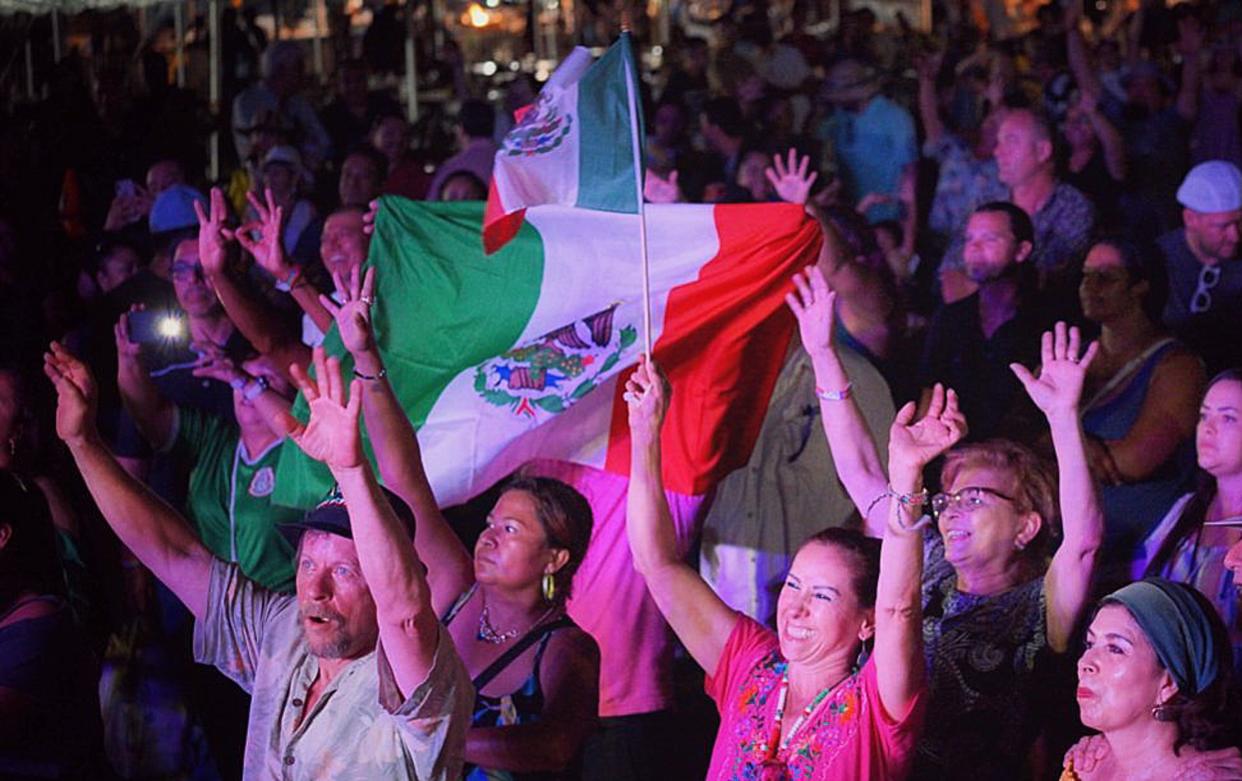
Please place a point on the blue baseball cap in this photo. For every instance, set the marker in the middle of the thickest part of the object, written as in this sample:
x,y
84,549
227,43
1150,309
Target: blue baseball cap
x,y
174,209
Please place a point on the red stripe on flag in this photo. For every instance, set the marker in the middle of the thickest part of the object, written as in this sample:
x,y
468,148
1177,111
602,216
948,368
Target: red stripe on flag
x,y
724,341
499,227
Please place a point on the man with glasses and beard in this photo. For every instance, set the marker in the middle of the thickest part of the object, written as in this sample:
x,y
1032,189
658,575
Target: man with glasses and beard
x,y
1204,307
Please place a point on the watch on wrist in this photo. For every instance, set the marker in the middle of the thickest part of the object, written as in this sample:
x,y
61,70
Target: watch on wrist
x,y
254,389
286,285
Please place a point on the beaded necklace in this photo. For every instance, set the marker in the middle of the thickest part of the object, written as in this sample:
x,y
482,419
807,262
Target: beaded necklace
x,y
775,744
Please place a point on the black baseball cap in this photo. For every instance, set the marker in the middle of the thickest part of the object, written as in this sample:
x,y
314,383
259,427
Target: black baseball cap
x,y
331,516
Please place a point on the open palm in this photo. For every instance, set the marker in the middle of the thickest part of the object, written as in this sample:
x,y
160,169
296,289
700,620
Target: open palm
x,y
1063,368
791,179
331,435
75,392
914,443
353,314
814,303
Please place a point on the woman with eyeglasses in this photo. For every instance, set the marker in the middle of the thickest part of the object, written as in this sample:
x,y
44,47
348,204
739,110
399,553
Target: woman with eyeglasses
x,y
1141,399
1191,543
998,593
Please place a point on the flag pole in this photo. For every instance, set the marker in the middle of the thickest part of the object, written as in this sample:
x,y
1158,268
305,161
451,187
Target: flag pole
x,y
631,89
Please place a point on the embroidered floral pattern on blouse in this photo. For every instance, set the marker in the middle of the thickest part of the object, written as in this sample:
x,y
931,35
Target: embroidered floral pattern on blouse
x,y
833,725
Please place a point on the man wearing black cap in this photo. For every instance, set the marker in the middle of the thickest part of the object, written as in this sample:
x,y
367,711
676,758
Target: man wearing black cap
x,y
351,679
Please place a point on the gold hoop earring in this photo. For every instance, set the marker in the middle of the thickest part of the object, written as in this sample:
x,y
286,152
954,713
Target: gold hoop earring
x,y
549,587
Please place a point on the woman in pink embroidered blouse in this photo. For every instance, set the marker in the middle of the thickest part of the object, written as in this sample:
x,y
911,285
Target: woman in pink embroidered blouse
x,y
796,703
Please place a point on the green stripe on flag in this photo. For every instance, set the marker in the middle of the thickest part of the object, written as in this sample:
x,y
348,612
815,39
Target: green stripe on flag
x,y
441,307
606,179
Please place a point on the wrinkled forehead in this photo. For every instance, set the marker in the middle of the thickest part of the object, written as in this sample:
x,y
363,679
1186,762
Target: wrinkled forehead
x,y
326,547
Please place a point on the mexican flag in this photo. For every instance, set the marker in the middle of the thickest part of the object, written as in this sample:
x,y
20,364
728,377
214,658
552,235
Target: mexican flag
x,y
574,146
499,360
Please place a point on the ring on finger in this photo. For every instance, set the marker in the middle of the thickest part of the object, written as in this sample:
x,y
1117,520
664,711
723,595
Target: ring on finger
x,y
368,300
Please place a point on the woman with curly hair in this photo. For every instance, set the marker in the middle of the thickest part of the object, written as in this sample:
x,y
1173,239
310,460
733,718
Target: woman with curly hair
x,y
1155,681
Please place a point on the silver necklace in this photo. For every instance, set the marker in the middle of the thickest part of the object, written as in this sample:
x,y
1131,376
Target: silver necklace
x,y
489,634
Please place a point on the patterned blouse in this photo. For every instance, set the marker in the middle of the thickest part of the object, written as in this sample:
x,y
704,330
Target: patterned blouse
x,y
981,660
848,735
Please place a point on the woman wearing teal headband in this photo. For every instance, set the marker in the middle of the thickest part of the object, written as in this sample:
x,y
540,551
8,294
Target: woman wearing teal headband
x,y
1155,681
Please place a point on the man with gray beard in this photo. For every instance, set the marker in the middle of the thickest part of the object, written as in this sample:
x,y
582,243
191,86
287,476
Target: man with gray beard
x,y
352,678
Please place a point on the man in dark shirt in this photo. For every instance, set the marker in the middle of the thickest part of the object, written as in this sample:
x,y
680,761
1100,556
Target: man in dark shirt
x,y
1204,307
971,343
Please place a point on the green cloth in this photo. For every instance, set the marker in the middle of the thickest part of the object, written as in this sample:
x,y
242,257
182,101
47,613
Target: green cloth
x,y
1179,626
230,498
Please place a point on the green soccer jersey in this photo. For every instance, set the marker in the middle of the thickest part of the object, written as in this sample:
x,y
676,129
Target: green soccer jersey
x,y
230,498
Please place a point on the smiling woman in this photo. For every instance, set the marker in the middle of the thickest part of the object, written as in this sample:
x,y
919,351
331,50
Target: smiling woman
x,y
807,701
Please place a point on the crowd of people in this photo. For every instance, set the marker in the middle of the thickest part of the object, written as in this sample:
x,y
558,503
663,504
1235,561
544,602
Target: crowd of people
x,y
991,526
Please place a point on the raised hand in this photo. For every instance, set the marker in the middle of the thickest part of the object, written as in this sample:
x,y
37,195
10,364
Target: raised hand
x,y
268,250
353,314
814,303
213,363
646,395
368,219
913,444
212,233
331,435
128,353
928,65
1063,368
76,394
791,180
657,189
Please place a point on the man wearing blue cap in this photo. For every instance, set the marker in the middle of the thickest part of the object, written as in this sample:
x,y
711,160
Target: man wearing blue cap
x,y
1205,277
351,679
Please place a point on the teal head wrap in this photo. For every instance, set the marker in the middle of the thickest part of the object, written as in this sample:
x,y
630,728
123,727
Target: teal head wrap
x,y
1179,628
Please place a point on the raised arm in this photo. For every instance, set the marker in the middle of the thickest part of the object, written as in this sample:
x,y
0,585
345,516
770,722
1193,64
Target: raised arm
x,y
255,320
1056,392
701,619
928,67
407,624
853,449
1076,50
898,604
1111,141
1189,45
395,443
160,538
268,251
215,364
153,414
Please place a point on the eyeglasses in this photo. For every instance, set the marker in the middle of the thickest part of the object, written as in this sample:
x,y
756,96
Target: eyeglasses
x,y
1201,301
183,272
969,498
